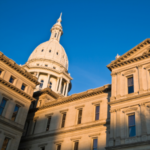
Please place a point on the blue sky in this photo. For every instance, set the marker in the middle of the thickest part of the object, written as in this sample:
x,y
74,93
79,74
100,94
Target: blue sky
x,y
94,32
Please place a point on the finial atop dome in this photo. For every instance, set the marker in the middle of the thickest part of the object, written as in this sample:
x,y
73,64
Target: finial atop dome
x,y
117,56
59,19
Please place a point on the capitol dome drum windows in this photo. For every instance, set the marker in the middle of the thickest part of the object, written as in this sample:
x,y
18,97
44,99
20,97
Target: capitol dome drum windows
x,y
41,84
42,50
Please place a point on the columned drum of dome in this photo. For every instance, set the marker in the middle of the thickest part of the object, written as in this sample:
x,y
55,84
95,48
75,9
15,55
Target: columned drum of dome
x,y
49,62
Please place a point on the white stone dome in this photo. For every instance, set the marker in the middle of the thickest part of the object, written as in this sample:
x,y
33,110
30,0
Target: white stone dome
x,y
50,50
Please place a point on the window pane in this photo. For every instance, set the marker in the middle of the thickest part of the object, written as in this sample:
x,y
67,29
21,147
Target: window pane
x,y
1,110
130,81
5,143
97,117
94,143
76,145
14,115
63,120
132,131
97,109
130,89
3,103
132,120
59,147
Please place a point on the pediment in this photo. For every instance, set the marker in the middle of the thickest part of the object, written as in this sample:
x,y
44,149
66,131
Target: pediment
x,y
136,53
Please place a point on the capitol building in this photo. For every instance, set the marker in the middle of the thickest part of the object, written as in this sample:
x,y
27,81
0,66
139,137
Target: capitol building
x,y
36,112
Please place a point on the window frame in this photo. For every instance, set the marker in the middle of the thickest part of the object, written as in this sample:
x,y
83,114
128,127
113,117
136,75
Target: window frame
x,y
7,143
80,109
74,148
128,77
58,145
97,113
24,87
12,78
16,115
4,106
128,115
34,126
48,124
41,84
93,148
63,122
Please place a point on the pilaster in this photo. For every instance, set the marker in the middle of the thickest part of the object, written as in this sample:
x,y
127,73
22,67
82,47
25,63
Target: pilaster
x,y
2,137
140,69
66,92
60,84
113,89
118,84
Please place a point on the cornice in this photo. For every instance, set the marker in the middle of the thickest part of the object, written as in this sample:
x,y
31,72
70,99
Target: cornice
x,y
128,98
29,138
120,61
74,97
11,124
18,68
12,87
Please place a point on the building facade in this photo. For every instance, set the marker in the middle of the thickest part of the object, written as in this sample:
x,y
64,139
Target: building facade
x,y
34,102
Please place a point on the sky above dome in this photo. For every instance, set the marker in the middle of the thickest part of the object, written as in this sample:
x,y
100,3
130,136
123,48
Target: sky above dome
x,y
94,32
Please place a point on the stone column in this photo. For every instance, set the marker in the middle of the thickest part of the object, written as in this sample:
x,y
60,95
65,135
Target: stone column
x,y
113,85
64,88
60,84
143,120
9,106
48,78
111,140
140,78
2,137
117,127
118,84
67,86
138,122
57,84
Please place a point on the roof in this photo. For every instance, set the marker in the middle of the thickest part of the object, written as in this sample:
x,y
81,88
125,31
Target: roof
x,y
122,59
18,68
74,97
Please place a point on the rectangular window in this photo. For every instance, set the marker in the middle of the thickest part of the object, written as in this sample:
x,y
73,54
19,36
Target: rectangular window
x,y
5,143
15,113
97,112
2,106
1,71
59,147
79,116
48,123
23,87
63,119
132,128
34,127
76,145
130,85
94,144
11,80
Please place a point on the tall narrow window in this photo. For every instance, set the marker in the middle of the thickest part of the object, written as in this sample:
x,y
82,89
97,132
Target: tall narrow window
x,y
132,128
2,105
15,113
26,128
97,112
59,147
130,85
79,116
50,84
55,34
1,71
5,143
23,87
62,87
11,80
48,123
76,145
40,102
34,126
63,119
41,84
94,144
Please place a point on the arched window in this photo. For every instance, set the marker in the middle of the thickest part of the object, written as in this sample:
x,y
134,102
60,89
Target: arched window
x,y
41,84
55,34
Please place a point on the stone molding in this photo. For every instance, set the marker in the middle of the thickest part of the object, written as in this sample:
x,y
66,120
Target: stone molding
x,y
122,146
62,111
18,68
76,138
7,97
28,138
94,135
97,102
9,85
128,72
121,60
41,145
20,104
48,115
63,100
79,107
9,135
129,98
58,142
130,109
11,124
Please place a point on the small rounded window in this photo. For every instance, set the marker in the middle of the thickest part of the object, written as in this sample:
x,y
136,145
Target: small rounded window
x,y
50,51
42,50
57,53
54,67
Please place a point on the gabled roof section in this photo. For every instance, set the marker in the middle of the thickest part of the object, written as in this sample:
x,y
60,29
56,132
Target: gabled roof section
x,y
131,56
18,68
